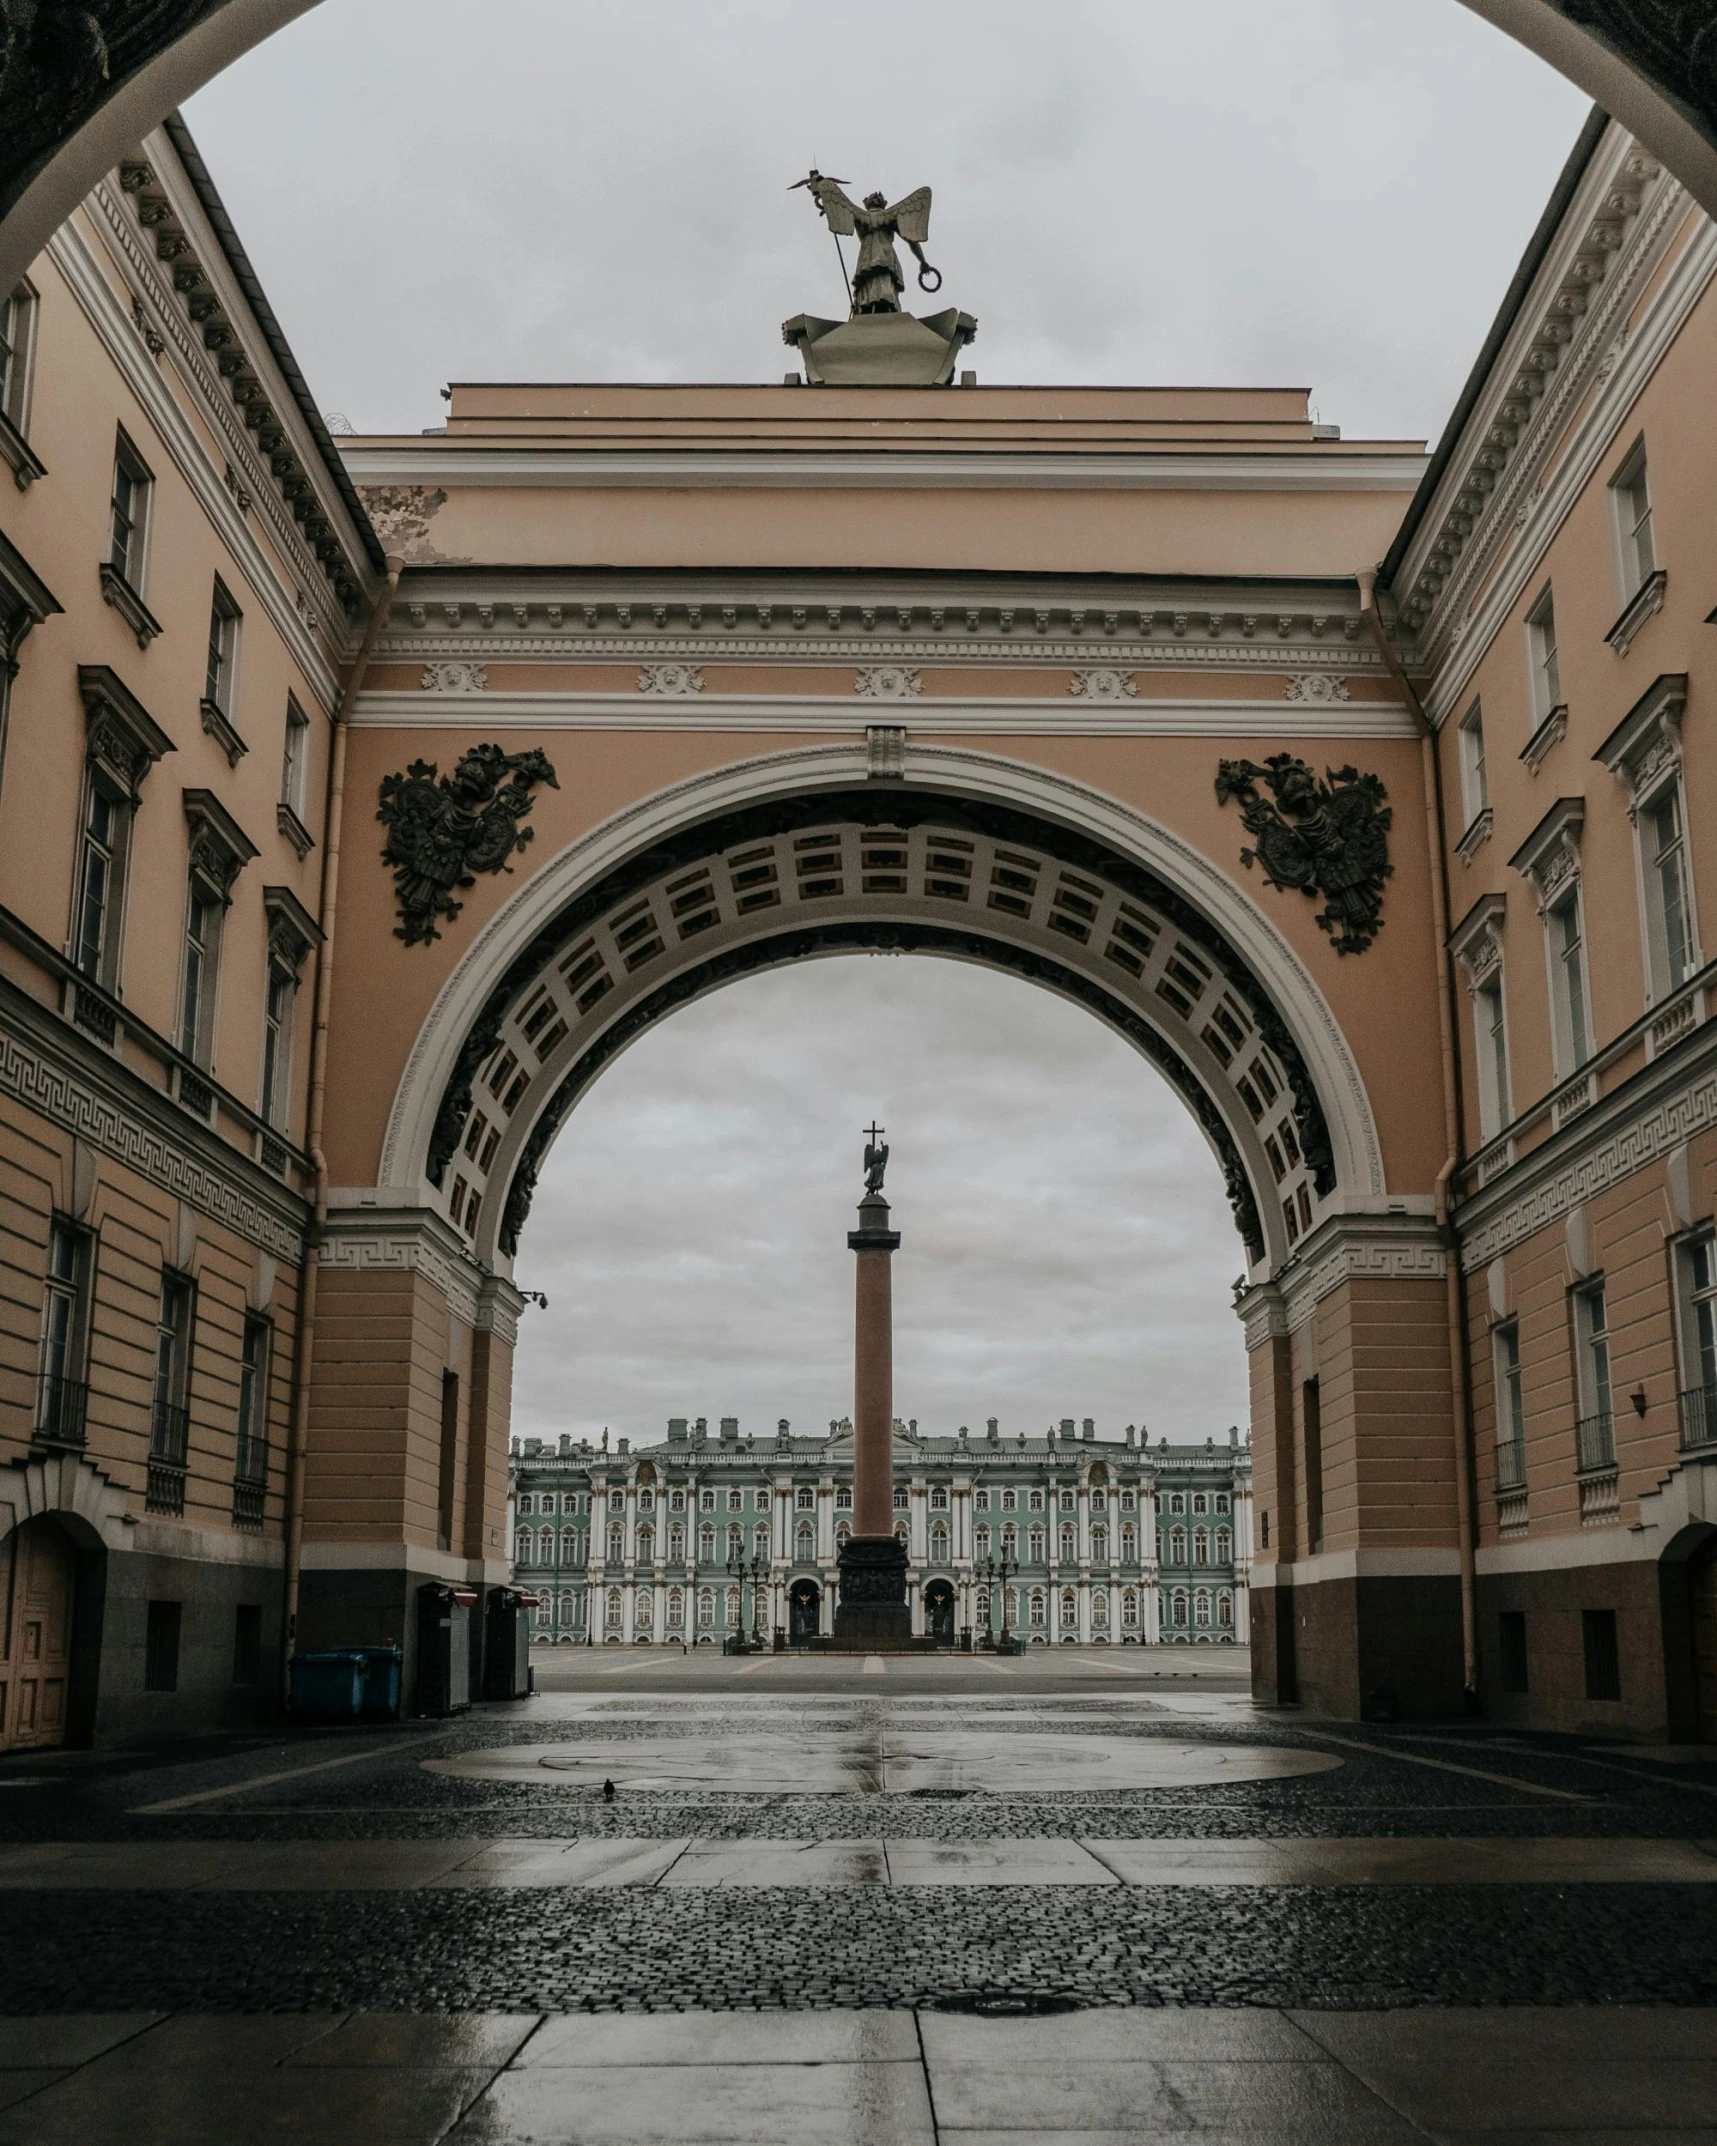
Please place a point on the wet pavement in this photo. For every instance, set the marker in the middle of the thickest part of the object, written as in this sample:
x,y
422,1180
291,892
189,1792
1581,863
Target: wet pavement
x,y
828,1899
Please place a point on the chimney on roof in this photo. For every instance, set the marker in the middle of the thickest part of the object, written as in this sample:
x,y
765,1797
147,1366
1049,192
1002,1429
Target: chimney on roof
x,y
625,1447
566,1441
729,1430
1088,1428
1132,1435
1234,1434
676,1430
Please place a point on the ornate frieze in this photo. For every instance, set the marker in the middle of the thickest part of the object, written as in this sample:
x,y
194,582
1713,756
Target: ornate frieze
x,y
454,678
1316,689
1103,685
1319,838
887,681
673,679
445,829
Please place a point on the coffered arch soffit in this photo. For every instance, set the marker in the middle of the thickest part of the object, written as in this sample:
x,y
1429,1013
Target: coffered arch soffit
x,y
806,853
79,87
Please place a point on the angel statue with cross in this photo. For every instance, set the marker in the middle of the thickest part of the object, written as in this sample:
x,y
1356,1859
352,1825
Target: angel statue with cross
x,y
877,281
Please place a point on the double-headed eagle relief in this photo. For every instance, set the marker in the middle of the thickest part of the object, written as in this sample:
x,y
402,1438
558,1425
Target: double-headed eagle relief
x,y
445,829
1326,838
877,281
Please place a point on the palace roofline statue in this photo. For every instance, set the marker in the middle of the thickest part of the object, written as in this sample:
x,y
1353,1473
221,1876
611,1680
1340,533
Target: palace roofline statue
x,y
878,345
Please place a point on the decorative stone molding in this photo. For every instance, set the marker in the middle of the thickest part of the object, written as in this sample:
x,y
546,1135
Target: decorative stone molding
x,y
1344,1248
1548,735
455,678
885,751
218,725
393,1241
1646,599
26,601
123,737
146,1135
1317,689
292,930
1550,855
220,848
69,1488
294,829
120,596
887,681
670,678
1102,685
1476,941
1477,834
1644,749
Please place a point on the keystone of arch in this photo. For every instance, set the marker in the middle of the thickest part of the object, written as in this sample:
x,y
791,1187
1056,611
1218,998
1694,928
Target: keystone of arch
x,y
948,770
63,1487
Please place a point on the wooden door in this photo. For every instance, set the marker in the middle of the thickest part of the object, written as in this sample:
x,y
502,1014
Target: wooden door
x,y
1702,1587
37,1569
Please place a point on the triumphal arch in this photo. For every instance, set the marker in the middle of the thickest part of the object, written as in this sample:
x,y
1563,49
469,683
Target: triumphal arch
x,y
361,801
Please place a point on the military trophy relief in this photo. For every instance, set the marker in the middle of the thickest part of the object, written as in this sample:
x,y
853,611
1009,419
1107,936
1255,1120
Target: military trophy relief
x,y
1325,839
445,829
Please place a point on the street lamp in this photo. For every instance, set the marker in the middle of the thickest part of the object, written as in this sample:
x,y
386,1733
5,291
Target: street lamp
x,y
998,1571
756,1571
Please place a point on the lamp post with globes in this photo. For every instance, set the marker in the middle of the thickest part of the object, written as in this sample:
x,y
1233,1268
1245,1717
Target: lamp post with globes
x,y
996,1572
756,1570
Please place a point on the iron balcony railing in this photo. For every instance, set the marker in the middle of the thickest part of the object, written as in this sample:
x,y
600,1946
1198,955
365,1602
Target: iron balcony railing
x,y
1595,1443
1699,1416
62,1406
1511,1464
169,1441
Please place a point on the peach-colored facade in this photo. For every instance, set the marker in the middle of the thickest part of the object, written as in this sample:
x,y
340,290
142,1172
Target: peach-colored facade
x,y
951,669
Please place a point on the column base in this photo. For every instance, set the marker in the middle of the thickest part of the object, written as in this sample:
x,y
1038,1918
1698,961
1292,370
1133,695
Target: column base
x,y
873,1603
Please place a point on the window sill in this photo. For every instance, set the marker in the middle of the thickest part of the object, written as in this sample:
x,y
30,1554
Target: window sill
x,y
1676,1017
294,829
1575,1096
1645,600
26,465
219,727
1546,737
118,592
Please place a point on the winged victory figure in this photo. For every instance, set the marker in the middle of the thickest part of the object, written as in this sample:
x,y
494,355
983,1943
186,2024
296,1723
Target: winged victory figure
x,y
878,280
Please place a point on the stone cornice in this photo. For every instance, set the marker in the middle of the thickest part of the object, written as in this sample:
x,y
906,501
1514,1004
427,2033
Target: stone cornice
x,y
1670,1100
48,1067
95,294
380,1240
440,462
1342,1248
927,714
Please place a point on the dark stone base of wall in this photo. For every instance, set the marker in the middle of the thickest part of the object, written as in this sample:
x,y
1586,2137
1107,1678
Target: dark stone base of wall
x,y
221,1681
1654,1646
1387,1649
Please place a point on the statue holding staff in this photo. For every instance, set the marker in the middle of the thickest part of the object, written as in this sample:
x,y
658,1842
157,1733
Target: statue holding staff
x,y
878,280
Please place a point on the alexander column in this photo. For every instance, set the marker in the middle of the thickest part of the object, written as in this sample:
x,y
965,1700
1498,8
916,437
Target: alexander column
x,y
872,1563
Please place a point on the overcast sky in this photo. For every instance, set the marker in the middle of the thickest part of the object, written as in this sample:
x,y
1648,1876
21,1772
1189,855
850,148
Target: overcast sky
x,y
1320,193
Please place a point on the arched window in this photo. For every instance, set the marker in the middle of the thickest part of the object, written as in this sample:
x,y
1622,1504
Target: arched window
x,y
1039,1609
980,1501
527,1505
902,1500
616,1545
1035,1500
1200,1547
760,1541
614,1608
523,1546
900,1531
1225,1609
676,1546
646,1545
939,1499
1177,1504
1177,1604
807,1539
983,1608
1013,1608
1177,1547
706,1609
1069,1608
644,1609
805,1498
1010,1501
1099,1546
1099,1501
1204,1606
1129,1546
1126,1501
706,1546
733,1609
1100,1606
843,1531
1067,1544
735,1542
1198,1503
706,1501
1224,1547
542,1615
1037,1546
1130,1608
616,1501
1067,1501
564,1615
646,1501
939,1544
980,1542
676,1501
676,1610
736,1501
568,1547
844,1499
1222,1501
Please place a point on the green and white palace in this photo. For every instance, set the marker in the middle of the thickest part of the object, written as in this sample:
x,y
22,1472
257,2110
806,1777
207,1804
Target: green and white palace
x,y
702,1539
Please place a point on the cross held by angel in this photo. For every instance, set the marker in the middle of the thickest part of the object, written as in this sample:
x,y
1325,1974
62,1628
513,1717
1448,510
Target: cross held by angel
x,y
878,280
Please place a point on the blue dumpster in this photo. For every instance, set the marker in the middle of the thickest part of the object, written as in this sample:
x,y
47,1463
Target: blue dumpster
x,y
382,1670
330,1682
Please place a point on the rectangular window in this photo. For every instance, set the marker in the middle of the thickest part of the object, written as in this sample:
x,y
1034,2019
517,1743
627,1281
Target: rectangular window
x,y
1511,1650
222,666
101,878
1668,922
202,947
448,1465
162,1622
277,1044
1595,1436
129,528
1510,1414
1314,1439
17,353
295,763
62,1394
1495,1107
1475,783
1541,655
1568,984
1696,1264
1631,493
169,1430
247,1643
250,1467
1603,1655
